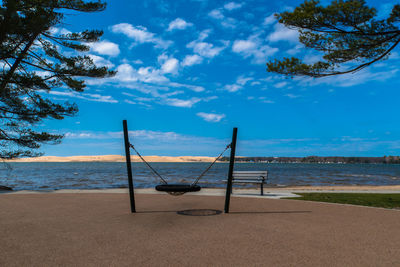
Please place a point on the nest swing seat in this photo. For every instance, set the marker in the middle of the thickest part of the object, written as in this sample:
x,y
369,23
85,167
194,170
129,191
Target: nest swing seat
x,y
178,188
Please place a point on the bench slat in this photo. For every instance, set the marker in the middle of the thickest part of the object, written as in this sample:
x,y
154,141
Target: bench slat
x,y
249,172
250,176
250,181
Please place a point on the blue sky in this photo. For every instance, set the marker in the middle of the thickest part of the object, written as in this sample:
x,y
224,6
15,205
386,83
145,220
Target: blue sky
x,y
189,71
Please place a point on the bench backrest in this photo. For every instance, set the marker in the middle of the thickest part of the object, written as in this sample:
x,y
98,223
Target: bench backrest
x,y
249,174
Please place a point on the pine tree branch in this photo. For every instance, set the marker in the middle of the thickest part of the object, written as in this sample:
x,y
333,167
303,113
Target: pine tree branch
x,y
17,62
362,66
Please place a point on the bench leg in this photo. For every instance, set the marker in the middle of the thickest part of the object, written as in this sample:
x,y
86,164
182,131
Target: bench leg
x,y
262,189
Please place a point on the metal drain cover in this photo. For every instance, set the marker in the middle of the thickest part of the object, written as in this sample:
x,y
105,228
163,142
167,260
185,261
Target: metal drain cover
x,y
199,212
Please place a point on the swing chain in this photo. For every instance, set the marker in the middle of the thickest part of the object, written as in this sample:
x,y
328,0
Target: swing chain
x,y
148,165
209,167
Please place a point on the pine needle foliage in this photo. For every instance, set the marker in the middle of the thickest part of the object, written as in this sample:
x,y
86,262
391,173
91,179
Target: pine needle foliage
x,y
347,33
34,59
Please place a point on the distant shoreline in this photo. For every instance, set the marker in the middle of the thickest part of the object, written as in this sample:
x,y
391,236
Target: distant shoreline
x,y
238,159
115,158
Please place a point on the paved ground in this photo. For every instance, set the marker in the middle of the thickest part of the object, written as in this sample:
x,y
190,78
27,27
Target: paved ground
x,y
98,230
254,193
269,192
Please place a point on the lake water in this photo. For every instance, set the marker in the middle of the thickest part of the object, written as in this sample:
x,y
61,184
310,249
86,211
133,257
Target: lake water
x,y
50,176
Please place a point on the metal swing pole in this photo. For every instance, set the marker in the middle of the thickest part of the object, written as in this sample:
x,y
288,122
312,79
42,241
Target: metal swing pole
x,y
231,164
129,166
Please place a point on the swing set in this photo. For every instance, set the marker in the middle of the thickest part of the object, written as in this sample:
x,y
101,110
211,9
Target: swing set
x,y
177,189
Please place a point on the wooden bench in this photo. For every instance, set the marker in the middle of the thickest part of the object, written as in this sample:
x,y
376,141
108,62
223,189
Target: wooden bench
x,y
251,177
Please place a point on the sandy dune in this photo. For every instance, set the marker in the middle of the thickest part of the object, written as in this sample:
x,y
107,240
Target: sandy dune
x,y
115,158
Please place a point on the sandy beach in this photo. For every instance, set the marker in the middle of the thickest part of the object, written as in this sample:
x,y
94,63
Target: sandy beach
x,y
97,229
115,158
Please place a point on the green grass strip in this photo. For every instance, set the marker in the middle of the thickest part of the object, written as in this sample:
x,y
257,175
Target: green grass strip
x,y
389,201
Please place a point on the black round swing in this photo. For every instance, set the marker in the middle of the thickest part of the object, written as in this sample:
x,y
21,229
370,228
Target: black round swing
x,y
178,189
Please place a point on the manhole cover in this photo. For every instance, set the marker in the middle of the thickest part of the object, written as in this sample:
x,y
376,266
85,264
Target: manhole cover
x,y
202,212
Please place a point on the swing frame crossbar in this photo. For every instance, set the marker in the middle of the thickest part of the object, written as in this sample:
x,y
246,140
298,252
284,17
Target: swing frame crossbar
x,y
177,189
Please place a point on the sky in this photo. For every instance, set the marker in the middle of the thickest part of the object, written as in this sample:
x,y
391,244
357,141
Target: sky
x,y
189,71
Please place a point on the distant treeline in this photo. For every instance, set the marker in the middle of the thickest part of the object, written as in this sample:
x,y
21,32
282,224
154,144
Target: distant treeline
x,y
316,159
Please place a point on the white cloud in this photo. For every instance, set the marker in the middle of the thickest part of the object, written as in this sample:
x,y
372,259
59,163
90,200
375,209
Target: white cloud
x,y
178,24
280,84
292,96
162,58
282,33
43,74
140,34
216,14
130,102
295,50
211,117
127,73
191,60
100,61
243,46
232,5
203,48
229,23
232,87
57,31
194,88
313,58
153,83
241,81
266,101
100,98
86,96
105,48
162,98
170,66
148,75
254,48
175,102
270,20
154,135
151,75
204,34
140,134
226,22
